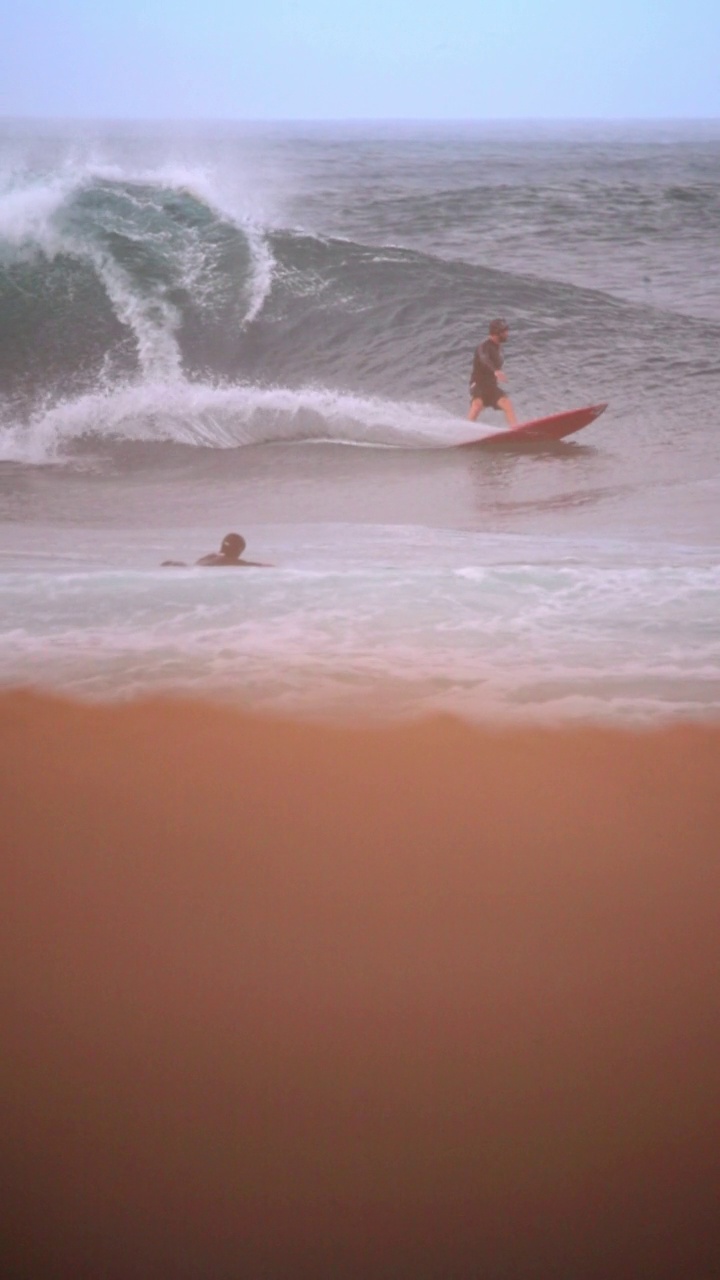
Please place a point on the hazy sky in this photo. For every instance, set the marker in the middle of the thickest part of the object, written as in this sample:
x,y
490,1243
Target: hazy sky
x,y
284,59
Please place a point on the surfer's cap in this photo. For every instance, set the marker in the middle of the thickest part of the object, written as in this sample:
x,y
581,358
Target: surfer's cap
x,y
498,327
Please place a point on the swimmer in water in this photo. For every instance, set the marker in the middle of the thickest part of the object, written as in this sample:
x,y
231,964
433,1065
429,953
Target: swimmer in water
x,y
228,557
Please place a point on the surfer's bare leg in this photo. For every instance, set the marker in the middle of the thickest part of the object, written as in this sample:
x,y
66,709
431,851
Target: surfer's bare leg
x,y
476,408
505,403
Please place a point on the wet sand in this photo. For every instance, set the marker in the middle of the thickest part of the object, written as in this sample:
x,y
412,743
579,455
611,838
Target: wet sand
x,y
424,1001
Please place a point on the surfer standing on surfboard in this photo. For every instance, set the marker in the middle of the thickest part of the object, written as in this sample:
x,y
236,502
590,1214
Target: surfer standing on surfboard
x,y
487,363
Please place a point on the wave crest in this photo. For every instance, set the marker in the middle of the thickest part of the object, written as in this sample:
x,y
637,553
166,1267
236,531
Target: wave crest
x,y
104,274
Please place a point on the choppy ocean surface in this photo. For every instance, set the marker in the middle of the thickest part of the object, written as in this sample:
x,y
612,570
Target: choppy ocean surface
x,y
269,329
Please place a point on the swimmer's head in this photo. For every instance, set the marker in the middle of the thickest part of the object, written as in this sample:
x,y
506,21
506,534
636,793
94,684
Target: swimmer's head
x,y
232,546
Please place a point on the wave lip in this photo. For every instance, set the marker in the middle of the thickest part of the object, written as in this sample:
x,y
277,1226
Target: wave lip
x,y
108,274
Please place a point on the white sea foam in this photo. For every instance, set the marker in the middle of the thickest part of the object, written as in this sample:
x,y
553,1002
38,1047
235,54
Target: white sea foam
x,y
174,410
370,639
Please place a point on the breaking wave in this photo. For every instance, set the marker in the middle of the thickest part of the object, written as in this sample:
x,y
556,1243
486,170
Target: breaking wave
x,y
141,307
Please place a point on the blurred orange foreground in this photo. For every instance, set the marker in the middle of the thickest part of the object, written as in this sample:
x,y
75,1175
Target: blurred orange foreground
x,y
421,1001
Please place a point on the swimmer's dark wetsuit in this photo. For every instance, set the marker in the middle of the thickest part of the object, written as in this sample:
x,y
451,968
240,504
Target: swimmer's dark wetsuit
x,y
483,382
216,560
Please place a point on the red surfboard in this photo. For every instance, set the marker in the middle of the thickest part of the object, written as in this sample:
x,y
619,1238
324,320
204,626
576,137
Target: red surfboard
x,y
553,428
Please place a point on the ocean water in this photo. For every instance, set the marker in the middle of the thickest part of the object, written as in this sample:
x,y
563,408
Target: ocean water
x,y
269,329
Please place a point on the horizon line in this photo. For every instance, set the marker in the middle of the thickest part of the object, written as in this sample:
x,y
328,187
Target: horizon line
x,y
358,119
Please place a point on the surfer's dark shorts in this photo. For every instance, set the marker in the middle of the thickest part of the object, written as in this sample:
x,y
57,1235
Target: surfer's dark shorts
x,y
490,392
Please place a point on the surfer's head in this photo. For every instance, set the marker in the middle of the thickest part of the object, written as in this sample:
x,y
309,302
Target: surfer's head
x,y
232,546
499,329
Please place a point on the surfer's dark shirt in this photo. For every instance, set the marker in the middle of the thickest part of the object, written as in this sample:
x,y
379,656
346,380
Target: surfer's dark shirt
x,y
486,362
